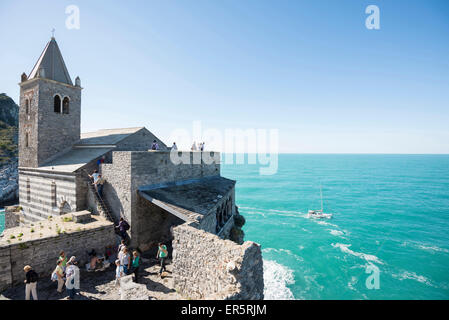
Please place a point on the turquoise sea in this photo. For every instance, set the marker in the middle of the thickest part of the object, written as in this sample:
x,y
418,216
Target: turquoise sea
x,y
390,212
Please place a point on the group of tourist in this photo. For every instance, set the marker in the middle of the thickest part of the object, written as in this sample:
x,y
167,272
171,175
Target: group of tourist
x,y
200,146
127,264
68,273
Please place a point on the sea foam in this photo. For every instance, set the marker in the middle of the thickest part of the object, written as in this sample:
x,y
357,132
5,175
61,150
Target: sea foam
x,y
276,278
336,232
408,275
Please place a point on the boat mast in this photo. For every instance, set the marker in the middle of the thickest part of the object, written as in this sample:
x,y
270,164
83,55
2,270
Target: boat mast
x,y
321,195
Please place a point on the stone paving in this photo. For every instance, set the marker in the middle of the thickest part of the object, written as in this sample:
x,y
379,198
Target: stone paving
x,y
100,285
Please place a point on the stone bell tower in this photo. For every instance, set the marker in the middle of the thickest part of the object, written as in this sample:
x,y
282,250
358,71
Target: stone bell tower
x,y
50,109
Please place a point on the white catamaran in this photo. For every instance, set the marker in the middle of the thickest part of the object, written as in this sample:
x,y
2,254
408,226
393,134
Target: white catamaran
x,y
319,213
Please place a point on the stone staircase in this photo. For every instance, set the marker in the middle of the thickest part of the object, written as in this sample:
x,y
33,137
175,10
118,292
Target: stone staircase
x,y
102,206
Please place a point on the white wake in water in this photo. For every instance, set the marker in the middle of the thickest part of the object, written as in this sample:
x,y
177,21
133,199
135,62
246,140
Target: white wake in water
x,y
408,275
345,248
433,248
336,232
276,278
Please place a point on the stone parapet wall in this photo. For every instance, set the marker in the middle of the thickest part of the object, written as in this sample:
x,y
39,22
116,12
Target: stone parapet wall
x,y
207,267
42,251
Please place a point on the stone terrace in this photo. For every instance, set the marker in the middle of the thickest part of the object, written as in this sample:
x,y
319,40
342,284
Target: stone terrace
x,y
52,227
100,285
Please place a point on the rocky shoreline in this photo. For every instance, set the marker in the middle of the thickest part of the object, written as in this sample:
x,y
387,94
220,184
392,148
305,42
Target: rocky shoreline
x,y
9,187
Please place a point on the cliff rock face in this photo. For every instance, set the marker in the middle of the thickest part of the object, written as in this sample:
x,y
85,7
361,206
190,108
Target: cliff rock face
x,y
9,188
9,111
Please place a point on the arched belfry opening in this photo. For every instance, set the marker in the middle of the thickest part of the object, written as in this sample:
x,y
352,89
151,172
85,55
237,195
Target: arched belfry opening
x,y
57,104
65,105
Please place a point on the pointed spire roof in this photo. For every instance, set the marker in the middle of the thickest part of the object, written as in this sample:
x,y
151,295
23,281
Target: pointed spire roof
x,y
52,63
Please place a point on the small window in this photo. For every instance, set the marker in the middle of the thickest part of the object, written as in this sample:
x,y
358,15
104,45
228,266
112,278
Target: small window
x,y
57,104
27,139
65,105
28,190
53,194
27,106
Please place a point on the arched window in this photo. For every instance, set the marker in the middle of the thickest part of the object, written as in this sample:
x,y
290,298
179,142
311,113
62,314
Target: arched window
x,y
65,105
27,139
27,106
57,104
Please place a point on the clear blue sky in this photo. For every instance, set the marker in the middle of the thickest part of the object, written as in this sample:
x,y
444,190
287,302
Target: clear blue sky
x,y
308,68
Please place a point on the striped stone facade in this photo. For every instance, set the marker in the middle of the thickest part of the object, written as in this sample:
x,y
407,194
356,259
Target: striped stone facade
x,y
43,194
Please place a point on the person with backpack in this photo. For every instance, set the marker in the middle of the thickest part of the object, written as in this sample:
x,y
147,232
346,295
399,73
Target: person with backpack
x,y
155,145
123,226
73,278
58,275
162,254
30,282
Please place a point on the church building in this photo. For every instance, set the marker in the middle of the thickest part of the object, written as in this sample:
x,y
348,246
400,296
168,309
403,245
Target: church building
x,y
146,187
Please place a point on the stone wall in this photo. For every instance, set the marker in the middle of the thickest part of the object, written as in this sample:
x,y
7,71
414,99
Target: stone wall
x,y
49,132
117,188
12,217
28,123
41,252
207,267
132,169
153,225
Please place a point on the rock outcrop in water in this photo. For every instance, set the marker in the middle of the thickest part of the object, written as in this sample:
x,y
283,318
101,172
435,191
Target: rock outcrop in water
x,y
9,190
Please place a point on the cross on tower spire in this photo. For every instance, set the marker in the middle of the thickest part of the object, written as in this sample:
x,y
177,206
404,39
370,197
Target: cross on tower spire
x,y
53,33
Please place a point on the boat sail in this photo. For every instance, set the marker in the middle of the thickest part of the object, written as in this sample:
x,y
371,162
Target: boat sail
x,y
317,214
